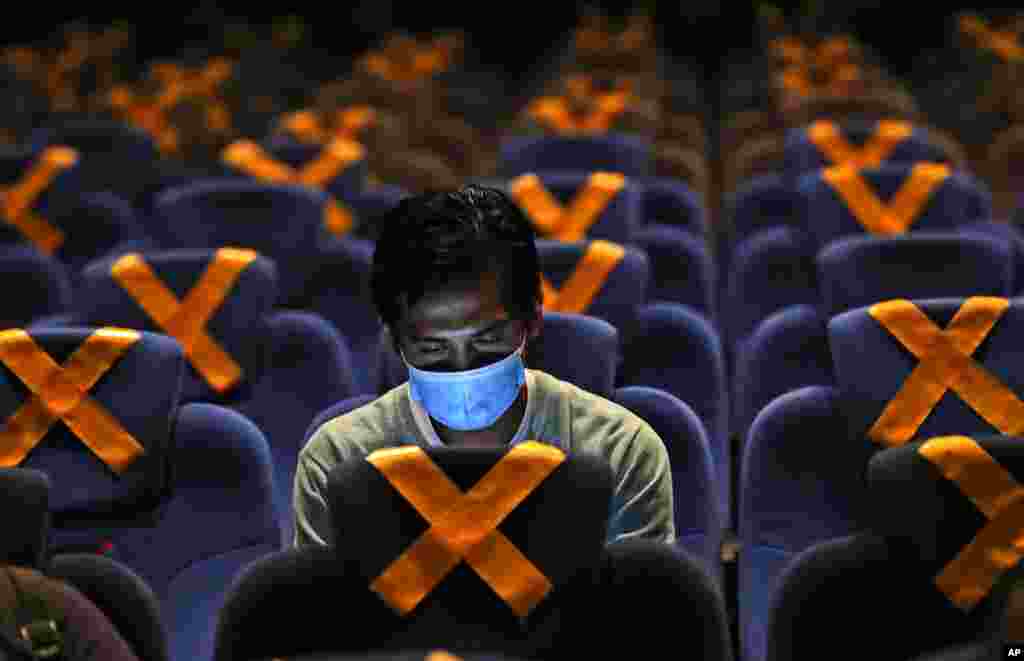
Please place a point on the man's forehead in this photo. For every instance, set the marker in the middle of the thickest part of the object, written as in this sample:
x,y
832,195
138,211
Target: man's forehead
x,y
456,306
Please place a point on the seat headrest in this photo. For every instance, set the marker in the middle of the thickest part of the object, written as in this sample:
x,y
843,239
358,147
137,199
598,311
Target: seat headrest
x,y
273,219
903,143
102,439
597,278
597,204
957,502
863,270
25,501
230,291
875,366
576,348
948,200
614,152
534,519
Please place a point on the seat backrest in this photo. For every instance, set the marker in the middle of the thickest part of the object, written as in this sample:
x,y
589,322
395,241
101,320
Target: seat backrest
x,y
348,176
629,155
698,523
579,204
682,267
98,137
43,283
893,198
25,493
96,225
112,452
114,156
38,188
862,143
862,270
284,222
761,203
597,278
339,291
676,350
939,509
671,202
545,523
894,391
215,303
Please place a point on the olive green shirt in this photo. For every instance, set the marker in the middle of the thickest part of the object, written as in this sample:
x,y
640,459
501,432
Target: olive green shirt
x,y
557,412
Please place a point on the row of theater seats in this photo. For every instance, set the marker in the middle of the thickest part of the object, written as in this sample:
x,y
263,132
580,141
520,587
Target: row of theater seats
x,y
936,516
707,291
616,243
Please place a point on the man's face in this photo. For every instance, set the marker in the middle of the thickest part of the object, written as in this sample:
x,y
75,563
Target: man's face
x,y
461,326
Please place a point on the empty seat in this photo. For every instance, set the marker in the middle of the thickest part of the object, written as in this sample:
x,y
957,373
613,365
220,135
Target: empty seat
x,y
278,368
938,511
549,590
181,494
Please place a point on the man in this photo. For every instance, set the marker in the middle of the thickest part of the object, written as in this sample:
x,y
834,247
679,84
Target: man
x,y
456,282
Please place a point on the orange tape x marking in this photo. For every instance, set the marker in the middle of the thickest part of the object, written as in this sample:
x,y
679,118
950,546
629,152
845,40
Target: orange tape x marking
x,y
827,137
61,392
464,526
335,157
902,210
999,545
185,321
17,200
946,364
580,288
568,223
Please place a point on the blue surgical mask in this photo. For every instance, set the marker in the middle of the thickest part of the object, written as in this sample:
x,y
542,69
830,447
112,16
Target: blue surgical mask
x,y
472,399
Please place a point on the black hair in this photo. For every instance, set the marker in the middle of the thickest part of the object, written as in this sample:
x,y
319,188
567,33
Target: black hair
x,y
436,238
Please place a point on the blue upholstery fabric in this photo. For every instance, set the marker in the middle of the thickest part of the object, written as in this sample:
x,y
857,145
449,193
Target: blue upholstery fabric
x,y
617,221
871,366
801,481
87,488
97,225
627,154
220,518
863,270
676,350
789,350
682,270
115,157
771,270
282,222
298,154
919,521
340,293
204,486
668,201
623,291
958,201
761,203
597,589
294,364
694,482
803,156
238,325
42,282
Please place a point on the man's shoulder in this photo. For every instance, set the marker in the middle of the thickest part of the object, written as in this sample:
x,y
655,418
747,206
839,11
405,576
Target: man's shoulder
x,y
596,420
372,426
